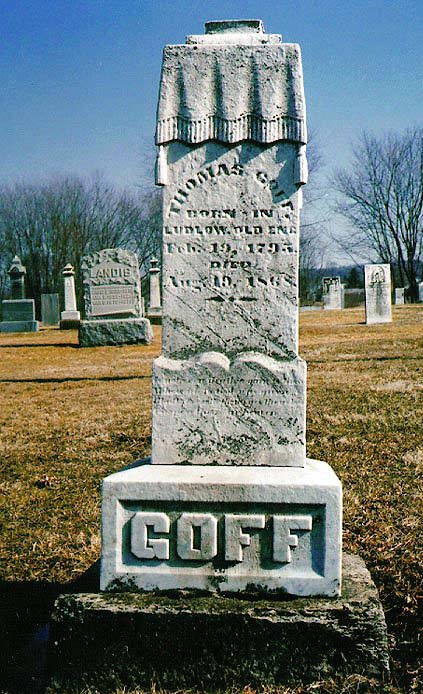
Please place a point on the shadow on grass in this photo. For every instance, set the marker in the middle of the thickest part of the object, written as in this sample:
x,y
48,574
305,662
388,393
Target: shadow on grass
x,y
76,379
40,344
25,609
330,360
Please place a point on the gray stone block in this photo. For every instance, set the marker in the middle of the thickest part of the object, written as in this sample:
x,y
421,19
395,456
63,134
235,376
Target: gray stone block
x,y
129,331
19,326
18,309
50,309
113,640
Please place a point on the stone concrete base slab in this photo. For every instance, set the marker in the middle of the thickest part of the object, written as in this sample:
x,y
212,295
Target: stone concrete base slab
x,y
181,640
19,326
222,528
125,331
69,324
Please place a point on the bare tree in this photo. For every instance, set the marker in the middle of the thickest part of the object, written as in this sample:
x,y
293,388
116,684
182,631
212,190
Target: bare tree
x,y
382,198
313,222
56,222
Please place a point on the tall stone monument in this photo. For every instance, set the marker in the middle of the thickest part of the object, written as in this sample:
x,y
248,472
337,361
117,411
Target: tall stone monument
x,y
332,293
112,300
18,313
230,501
70,317
378,293
155,304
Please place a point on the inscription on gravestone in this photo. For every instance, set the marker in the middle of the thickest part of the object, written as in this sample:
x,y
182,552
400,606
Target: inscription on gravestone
x,y
111,284
112,300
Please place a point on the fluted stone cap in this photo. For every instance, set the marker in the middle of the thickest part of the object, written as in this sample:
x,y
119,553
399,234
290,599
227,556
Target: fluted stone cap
x,y
233,83
68,270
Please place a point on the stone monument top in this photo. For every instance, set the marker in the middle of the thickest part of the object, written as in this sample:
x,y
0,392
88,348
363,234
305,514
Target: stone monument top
x,y
16,267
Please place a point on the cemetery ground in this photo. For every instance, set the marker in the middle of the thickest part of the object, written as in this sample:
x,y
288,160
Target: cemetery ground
x,y
69,417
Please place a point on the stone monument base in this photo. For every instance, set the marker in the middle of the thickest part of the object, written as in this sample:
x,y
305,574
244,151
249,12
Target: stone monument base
x,y
70,320
19,326
222,528
182,640
124,331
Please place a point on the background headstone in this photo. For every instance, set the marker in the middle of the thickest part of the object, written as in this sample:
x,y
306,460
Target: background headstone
x,y
332,293
49,309
18,313
155,304
421,291
17,274
378,293
112,300
399,296
229,389
70,317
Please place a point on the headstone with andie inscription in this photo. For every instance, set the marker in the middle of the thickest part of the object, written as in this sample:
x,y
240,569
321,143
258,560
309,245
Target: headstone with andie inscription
x,y
230,501
18,313
378,293
112,300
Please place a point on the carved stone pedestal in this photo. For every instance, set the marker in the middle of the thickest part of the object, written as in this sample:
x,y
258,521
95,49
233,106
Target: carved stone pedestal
x,y
183,639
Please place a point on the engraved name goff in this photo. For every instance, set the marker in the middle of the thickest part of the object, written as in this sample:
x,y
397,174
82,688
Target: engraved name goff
x,y
197,537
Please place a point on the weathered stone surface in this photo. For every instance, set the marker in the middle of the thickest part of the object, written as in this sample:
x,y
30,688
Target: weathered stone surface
x,y
332,293
115,332
230,278
229,480
257,528
113,640
50,309
250,411
111,282
399,296
17,273
378,293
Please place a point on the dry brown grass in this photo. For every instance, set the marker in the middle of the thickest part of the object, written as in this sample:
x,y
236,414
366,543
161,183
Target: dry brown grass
x,y
70,416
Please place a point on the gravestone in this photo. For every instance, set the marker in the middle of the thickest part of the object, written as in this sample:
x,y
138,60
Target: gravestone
x,y
229,502
332,293
378,293
399,296
155,304
112,300
18,313
49,309
421,291
70,317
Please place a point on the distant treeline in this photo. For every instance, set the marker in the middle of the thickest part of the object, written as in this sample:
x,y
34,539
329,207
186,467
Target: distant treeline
x,y
58,221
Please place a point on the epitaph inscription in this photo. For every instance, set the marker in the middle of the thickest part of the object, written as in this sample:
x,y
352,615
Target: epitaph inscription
x,y
111,284
230,247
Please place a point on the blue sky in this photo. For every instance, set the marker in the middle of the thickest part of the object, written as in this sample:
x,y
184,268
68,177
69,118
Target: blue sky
x,y
79,78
